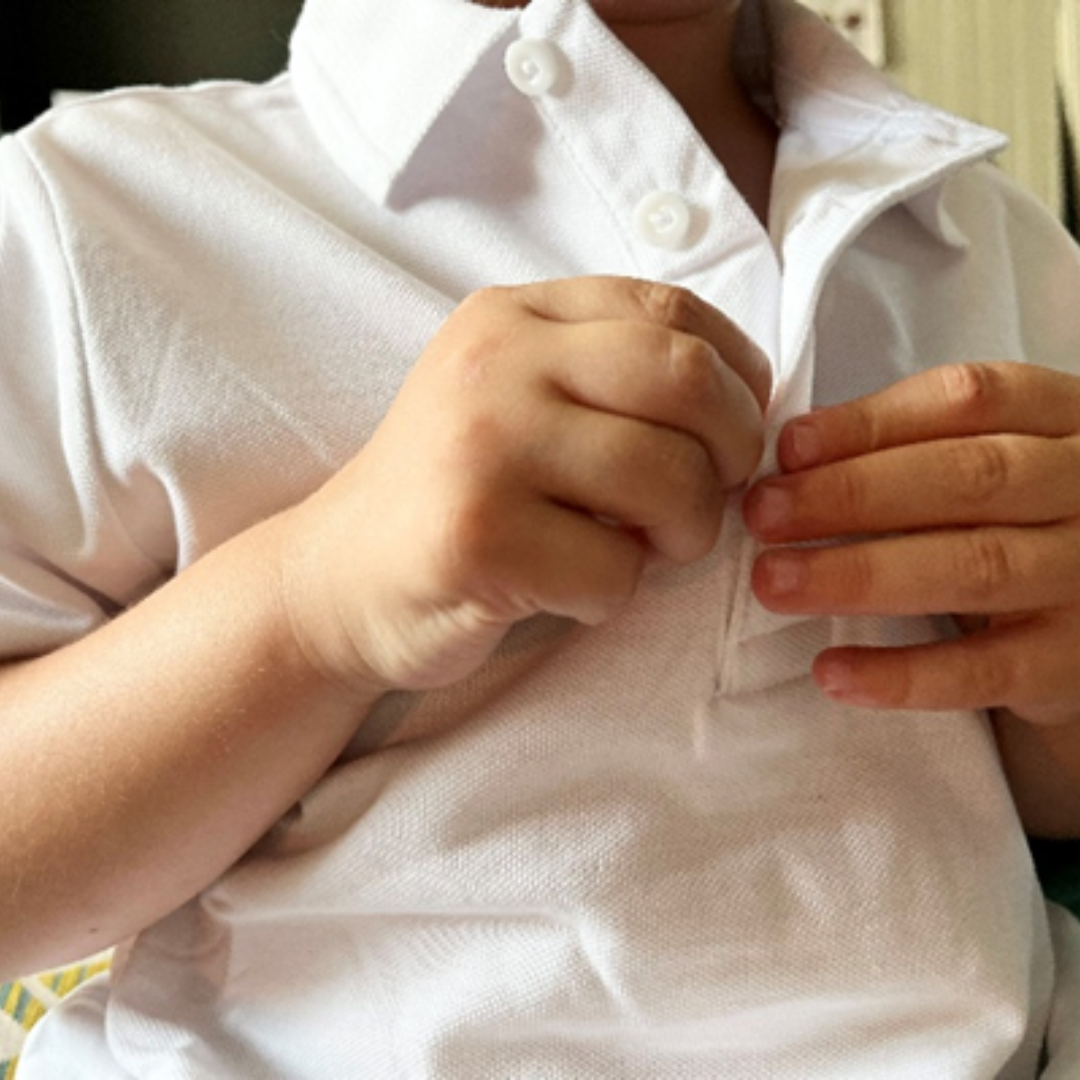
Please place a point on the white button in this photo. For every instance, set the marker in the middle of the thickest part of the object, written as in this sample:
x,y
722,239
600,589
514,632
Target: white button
x,y
662,219
533,65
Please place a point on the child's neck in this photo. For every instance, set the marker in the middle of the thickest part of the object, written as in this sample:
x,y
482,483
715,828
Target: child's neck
x,y
688,46
682,53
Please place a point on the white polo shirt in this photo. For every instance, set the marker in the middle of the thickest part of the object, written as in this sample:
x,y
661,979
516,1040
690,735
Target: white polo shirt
x,y
649,849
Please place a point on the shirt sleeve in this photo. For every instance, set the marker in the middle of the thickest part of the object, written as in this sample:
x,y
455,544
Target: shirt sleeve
x,y
1044,264
66,561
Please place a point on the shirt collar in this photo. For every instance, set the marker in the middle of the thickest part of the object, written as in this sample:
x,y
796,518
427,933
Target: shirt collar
x,y
836,108
374,77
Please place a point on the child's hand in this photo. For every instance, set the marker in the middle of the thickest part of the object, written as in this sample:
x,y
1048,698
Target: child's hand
x,y
549,439
959,491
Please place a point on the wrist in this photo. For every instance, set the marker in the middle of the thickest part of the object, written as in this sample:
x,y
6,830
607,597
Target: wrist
x,y
309,627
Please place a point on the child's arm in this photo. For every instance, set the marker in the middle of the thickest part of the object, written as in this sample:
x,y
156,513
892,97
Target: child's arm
x,y
143,760
964,485
548,440
1042,763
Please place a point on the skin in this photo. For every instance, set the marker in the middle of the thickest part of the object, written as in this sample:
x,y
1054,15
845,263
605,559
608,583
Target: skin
x,y
177,760
483,480
679,40
962,486
1003,566
984,490
606,413
487,495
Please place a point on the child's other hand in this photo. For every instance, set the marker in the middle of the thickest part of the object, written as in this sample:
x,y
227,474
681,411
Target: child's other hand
x,y
958,491
549,439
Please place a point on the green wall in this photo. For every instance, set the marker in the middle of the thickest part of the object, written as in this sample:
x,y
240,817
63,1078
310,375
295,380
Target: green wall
x,y
88,45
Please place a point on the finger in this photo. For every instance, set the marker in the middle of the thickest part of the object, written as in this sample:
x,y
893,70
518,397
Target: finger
x,y
1022,667
994,479
653,479
945,402
968,571
651,373
590,299
547,558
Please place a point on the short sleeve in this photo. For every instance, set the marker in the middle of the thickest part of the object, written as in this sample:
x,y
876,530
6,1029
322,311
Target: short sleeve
x,y
66,562
1045,265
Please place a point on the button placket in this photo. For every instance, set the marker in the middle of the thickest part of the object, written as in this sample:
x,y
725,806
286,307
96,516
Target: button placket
x,y
663,219
533,66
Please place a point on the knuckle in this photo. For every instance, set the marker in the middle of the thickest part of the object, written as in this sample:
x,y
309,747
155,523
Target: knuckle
x,y
470,359
867,428
475,314
985,568
982,468
486,297
477,444
675,475
995,679
846,494
692,460
859,577
682,462
691,365
471,340
972,391
669,305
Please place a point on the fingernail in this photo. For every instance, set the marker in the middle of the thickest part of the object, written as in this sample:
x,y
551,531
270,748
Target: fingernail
x,y
785,575
804,442
771,508
835,678
838,681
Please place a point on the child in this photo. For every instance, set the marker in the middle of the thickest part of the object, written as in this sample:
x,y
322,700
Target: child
x,y
396,664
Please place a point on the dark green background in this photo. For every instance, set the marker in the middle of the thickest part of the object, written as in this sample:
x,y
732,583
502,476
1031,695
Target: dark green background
x,y
87,45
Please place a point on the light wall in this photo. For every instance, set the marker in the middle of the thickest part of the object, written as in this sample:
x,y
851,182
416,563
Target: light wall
x,y
1000,62
993,61
1068,64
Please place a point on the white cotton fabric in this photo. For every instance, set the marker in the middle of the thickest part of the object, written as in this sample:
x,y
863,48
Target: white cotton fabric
x,y
647,850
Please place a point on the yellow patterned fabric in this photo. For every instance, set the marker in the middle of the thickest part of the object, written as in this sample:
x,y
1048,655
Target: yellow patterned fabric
x,y
24,1003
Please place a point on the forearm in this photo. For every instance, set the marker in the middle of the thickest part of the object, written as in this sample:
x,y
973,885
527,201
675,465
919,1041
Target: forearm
x,y
144,760
1042,764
